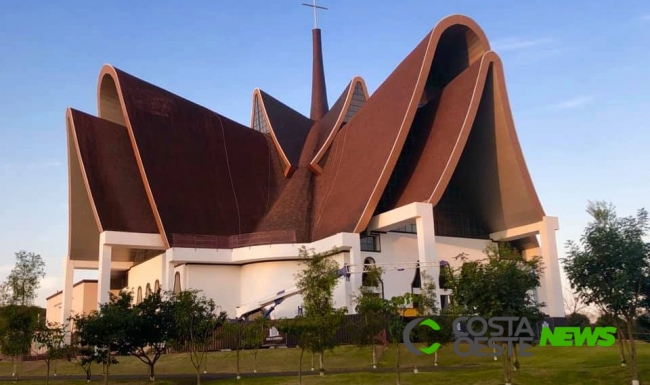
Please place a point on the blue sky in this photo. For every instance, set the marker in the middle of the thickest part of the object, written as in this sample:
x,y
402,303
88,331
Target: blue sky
x,y
577,78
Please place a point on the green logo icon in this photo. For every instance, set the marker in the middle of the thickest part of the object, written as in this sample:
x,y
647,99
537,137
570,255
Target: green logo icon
x,y
407,336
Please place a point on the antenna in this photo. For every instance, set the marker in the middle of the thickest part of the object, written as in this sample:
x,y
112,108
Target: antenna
x,y
316,8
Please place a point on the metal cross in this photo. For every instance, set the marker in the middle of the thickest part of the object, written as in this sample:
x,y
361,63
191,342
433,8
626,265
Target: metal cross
x,y
316,8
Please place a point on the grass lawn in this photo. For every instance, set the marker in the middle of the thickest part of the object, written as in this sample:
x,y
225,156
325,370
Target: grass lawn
x,y
548,365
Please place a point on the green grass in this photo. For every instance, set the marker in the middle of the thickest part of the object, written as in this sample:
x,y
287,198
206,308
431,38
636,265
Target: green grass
x,y
548,365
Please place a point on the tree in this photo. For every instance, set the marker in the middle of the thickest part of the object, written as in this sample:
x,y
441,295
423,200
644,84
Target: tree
x,y
371,312
6,297
254,338
152,323
427,302
305,331
50,335
237,329
24,279
17,326
573,302
395,309
610,267
107,330
195,321
317,282
499,285
578,320
84,356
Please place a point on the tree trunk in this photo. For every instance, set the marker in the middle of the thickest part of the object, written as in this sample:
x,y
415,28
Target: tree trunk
x,y
106,367
198,376
374,356
47,375
302,352
399,379
630,333
17,366
515,363
621,345
507,365
255,362
435,358
312,361
322,363
238,371
152,376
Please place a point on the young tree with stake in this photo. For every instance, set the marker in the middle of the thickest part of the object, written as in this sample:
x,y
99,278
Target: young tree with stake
x,y
50,335
195,321
317,282
610,267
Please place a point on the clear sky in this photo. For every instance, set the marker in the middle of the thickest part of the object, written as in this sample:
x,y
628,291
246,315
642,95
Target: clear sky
x,y
577,74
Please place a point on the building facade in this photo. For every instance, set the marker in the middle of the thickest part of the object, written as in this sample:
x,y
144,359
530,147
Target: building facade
x,y
167,194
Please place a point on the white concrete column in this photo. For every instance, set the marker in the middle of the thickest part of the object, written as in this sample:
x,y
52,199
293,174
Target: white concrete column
x,y
66,306
168,271
551,280
104,273
356,260
427,247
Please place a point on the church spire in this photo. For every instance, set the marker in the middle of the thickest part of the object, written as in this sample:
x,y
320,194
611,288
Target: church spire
x,y
319,105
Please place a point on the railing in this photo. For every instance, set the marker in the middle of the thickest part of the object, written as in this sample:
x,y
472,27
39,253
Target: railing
x,y
201,241
234,241
262,238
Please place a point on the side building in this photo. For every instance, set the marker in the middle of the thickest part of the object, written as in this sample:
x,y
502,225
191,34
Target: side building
x,y
167,194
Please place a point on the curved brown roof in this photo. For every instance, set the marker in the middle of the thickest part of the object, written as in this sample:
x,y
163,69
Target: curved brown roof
x,y
111,173
473,120
334,119
287,127
370,145
204,173
443,112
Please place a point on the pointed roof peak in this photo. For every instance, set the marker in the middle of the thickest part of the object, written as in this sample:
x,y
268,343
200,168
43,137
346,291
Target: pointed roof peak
x,y
319,105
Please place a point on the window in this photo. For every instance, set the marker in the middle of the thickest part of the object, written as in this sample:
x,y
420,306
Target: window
x,y
147,291
367,264
156,286
177,283
442,279
370,243
139,297
358,100
259,120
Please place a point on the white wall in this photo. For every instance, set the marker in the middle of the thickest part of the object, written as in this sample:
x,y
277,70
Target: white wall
x,y
219,282
448,248
234,285
145,273
395,248
263,279
402,247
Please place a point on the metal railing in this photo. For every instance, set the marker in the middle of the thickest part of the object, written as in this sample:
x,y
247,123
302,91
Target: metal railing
x,y
231,242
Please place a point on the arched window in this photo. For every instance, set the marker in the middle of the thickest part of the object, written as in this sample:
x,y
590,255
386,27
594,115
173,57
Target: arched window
x,y
156,286
368,263
138,299
445,269
147,290
177,283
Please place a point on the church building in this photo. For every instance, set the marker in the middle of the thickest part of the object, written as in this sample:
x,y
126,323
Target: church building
x,y
167,194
